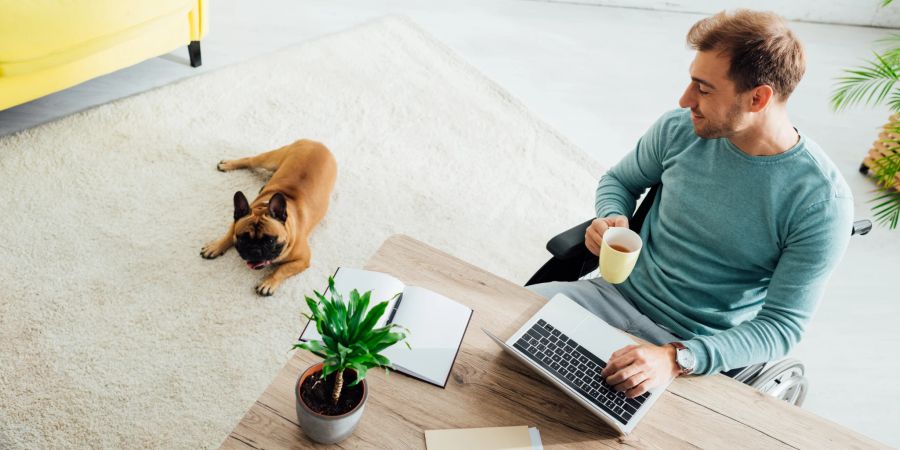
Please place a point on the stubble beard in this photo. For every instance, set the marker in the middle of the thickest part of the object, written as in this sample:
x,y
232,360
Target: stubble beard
x,y
724,129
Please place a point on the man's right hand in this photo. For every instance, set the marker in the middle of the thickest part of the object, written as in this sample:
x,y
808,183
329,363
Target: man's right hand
x,y
593,237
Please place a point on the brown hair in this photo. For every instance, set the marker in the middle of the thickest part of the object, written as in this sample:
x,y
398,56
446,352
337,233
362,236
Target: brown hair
x,y
761,47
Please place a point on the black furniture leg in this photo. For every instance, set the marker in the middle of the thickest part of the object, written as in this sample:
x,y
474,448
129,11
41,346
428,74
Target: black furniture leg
x,y
194,52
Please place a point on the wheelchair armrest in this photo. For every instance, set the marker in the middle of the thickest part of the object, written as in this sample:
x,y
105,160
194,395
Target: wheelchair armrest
x,y
570,243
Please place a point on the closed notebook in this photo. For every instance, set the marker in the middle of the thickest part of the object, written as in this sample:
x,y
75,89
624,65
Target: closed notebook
x,y
494,438
436,323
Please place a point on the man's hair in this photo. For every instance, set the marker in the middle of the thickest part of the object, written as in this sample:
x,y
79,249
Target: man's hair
x,y
762,49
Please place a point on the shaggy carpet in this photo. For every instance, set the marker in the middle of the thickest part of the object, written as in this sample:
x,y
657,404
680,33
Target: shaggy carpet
x,y
115,332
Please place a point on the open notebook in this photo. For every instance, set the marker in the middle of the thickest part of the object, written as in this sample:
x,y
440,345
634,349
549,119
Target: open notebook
x,y
436,324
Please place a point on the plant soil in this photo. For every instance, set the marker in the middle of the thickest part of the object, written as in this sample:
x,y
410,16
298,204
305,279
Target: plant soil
x,y
316,393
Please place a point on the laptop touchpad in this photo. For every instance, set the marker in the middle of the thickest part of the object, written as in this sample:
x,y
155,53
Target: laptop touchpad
x,y
600,338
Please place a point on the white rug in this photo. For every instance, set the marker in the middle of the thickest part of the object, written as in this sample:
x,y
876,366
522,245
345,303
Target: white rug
x,y
115,332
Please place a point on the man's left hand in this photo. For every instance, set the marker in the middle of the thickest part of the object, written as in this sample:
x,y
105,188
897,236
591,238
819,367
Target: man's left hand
x,y
636,369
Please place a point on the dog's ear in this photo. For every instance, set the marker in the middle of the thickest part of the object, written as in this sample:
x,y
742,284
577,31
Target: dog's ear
x,y
278,207
241,206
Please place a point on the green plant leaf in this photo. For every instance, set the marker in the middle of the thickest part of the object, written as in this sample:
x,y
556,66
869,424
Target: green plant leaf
x,y
869,84
353,313
888,211
330,365
315,347
330,343
349,336
891,44
382,360
340,312
372,317
355,319
360,373
343,351
331,324
385,341
886,168
352,304
315,313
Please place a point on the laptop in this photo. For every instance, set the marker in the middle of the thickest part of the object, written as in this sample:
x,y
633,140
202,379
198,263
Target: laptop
x,y
569,346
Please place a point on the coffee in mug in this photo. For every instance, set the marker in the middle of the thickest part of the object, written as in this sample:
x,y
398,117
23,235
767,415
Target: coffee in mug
x,y
618,254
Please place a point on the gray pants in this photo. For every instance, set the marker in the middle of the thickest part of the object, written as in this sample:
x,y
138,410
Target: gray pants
x,y
604,301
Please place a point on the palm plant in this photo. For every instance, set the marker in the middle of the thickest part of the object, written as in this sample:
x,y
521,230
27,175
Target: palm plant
x,y
875,83
349,337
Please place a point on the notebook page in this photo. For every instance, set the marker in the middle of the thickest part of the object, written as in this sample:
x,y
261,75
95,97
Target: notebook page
x,y
436,326
493,438
382,285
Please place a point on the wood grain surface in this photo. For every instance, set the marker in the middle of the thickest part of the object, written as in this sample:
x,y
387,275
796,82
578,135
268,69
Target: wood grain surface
x,y
488,388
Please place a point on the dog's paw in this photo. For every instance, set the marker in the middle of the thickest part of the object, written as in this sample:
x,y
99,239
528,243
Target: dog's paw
x,y
211,251
225,166
267,287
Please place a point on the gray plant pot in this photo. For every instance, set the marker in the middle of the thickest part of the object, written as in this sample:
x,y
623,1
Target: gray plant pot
x,y
327,429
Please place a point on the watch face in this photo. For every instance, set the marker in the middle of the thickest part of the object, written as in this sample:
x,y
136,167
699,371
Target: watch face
x,y
685,358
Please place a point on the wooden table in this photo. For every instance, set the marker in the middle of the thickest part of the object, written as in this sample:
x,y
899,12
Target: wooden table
x,y
488,388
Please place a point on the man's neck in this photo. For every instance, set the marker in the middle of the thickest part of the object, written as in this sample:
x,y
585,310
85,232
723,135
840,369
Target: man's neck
x,y
771,135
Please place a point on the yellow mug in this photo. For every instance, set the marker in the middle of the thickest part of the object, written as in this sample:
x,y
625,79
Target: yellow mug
x,y
618,254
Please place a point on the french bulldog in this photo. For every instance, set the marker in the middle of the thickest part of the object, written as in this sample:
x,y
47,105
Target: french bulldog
x,y
275,228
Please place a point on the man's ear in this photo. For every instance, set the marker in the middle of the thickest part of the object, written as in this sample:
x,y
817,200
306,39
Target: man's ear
x,y
241,207
278,207
760,96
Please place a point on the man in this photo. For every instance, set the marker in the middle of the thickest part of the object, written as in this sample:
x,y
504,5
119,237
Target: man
x,y
750,220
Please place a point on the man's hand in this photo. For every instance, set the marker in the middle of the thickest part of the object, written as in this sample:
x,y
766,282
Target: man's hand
x,y
638,368
594,234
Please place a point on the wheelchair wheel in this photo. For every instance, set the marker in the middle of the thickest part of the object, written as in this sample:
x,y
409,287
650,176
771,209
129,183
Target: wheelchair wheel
x,y
784,380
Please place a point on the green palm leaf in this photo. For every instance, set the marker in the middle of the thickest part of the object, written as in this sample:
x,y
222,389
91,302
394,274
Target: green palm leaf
x,y
892,47
886,168
870,84
888,211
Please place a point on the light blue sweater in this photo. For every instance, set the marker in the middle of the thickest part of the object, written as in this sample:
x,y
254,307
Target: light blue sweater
x,y
737,248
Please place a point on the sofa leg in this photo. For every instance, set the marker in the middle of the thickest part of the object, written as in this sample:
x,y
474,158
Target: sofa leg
x,y
194,52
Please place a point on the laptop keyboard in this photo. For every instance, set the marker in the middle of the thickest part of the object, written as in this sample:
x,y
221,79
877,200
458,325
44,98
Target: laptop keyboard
x,y
578,368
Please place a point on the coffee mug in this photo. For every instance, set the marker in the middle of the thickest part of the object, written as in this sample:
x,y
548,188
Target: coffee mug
x,y
618,254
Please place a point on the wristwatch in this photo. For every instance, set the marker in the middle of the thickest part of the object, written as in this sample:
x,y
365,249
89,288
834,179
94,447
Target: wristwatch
x,y
684,357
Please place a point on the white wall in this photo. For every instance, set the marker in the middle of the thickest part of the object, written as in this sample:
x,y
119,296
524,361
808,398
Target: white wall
x,y
850,12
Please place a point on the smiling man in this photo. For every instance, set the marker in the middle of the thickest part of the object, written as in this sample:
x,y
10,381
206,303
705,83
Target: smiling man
x,y
750,219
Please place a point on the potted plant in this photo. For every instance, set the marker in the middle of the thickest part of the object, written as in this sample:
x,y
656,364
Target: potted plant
x,y
331,394
874,83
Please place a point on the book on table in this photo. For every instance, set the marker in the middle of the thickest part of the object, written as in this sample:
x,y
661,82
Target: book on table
x,y
436,323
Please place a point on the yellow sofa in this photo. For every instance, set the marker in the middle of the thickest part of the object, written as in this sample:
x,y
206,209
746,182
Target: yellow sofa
x,y
49,45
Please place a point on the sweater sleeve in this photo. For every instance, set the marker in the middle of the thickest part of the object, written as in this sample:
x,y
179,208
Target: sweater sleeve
x,y
622,185
812,250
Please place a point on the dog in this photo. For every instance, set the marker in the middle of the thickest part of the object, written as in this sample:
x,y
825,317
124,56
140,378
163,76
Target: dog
x,y
275,228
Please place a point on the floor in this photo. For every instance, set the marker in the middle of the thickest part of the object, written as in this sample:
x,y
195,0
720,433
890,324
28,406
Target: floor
x,y
601,76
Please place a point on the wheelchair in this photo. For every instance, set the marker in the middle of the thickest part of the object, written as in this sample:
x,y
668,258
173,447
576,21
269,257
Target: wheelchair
x,y
571,261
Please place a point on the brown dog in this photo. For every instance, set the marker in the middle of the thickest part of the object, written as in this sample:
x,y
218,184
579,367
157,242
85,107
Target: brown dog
x,y
275,228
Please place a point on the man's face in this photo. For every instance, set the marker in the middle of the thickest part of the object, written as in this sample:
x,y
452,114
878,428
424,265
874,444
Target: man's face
x,y
716,109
